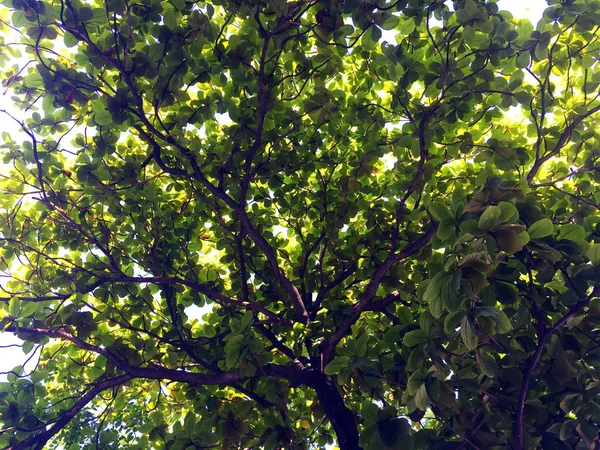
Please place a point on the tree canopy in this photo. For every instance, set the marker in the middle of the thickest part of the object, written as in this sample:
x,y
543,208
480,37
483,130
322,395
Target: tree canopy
x,y
297,224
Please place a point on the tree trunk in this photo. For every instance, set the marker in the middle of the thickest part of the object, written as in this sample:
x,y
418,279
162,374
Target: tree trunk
x,y
342,419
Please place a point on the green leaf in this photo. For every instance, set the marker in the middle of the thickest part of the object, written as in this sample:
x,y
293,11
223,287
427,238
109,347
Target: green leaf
x,y
452,321
508,212
471,7
421,398
523,60
361,345
504,292
440,211
233,349
446,230
503,324
593,254
441,291
395,433
541,228
170,19
562,370
14,307
404,314
391,22
488,365
414,337
511,242
375,33
336,365
490,218
415,381
103,117
449,292
30,308
434,386
432,293
392,335
468,333
369,412
572,232
246,319
436,306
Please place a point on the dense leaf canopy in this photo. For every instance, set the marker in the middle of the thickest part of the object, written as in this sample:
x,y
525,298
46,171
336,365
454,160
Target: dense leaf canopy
x,y
297,224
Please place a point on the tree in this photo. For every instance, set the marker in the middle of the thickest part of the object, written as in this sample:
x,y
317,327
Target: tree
x,y
251,224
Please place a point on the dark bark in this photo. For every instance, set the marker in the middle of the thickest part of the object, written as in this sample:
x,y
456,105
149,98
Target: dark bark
x,y
38,441
369,294
533,361
341,418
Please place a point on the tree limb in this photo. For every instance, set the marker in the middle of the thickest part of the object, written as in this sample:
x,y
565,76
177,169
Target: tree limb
x,y
562,140
38,441
519,415
371,290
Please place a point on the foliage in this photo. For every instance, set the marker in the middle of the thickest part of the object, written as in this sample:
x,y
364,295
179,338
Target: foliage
x,y
251,224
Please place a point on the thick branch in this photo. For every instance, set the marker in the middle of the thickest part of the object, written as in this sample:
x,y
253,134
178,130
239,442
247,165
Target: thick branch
x,y
280,276
371,290
292,373
38,441
342,419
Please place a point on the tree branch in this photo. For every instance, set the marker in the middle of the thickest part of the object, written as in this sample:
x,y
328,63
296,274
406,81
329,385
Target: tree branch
x,y
38,441
294,373
519,415
562,140
280,276
342,419
371,290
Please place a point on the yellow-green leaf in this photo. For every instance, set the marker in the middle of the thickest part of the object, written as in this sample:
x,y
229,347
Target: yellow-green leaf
x,y
541,228
594,254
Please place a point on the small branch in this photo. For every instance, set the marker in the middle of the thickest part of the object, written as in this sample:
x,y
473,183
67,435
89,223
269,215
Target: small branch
x,y
371,290
325,289
203,289
262,112
383,304
519,415
276,342
280,276
562,140
424,154
38,441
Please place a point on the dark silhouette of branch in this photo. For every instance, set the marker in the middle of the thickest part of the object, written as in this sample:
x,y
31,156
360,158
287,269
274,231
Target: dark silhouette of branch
x,y
423,155
276,342
370,291
325,289
342,419
292,373
38,441
562,141
519,415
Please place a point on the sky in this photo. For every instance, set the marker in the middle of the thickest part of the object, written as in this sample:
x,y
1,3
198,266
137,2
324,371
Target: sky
x,y
11,354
